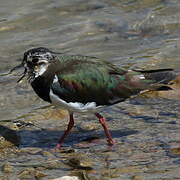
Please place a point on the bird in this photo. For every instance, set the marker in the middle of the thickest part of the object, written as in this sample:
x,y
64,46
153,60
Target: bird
x,y
86,84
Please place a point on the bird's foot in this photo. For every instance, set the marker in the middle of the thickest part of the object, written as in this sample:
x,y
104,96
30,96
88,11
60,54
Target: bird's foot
x,y
58,146
111,142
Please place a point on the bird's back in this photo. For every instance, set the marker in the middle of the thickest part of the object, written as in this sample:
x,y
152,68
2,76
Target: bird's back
x,y
88,79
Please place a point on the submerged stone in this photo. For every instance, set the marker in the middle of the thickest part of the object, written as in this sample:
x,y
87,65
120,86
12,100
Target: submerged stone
x,y
7,168
80,161
31,173
8,137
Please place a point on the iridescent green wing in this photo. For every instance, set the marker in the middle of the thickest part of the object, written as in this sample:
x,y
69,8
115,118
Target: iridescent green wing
x,y
88,79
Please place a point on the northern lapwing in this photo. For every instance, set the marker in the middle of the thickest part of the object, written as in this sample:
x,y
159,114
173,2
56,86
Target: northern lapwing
x,y
86,84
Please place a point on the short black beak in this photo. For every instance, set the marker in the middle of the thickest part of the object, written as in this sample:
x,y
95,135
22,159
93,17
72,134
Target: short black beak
x,y
18,67
23,75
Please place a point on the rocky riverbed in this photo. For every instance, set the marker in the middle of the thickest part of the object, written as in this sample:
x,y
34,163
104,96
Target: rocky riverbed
x,y
132,33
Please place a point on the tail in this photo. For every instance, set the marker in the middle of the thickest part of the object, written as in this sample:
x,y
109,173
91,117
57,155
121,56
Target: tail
x,y
158,79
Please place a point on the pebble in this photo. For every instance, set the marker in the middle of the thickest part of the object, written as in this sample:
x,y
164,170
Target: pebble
x,y
67,178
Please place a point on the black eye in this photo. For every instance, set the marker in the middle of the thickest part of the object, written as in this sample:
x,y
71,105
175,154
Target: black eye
x,y
35,60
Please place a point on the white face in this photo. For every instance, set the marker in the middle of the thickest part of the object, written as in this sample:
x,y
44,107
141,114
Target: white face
x,y
41,67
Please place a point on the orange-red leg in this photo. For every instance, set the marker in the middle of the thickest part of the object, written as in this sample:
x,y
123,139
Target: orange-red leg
x,y
102,120
66,132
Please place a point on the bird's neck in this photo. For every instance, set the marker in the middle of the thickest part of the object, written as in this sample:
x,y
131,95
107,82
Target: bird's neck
x,y
41,85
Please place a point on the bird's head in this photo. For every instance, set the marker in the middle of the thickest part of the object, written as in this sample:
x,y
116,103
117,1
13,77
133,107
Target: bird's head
x,y
36,62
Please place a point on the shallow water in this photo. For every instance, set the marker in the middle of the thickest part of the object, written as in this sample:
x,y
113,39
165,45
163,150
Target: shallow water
x,y
133,33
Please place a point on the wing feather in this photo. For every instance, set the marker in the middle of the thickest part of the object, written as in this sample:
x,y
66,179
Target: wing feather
x,y
90,80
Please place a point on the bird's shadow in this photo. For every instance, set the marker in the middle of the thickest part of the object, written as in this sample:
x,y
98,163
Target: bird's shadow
x,y
48,138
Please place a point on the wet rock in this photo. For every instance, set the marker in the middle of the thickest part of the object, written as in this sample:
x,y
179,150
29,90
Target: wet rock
x,y
39,175
4,177
27,173
77,33
7,168
5,144
30,150
7,149
55,114
88,142
110,173
130,170
53,164
67,178
66,150
47,164
118,172
175,151
136,178
19,124
82,174
6,28
47,154
171,94
42,118
14,127
88,126
31,173
111,27
43,113
80,161
8,137
141,110
150,26
161,22
142,158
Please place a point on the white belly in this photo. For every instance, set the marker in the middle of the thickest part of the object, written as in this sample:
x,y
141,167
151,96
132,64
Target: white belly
x,y
74,106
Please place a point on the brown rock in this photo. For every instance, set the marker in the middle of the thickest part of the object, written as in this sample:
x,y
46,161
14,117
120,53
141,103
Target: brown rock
x,y
88,126
171,94
32,150
80,161
8,137
27,173
136,178
7,168
175,151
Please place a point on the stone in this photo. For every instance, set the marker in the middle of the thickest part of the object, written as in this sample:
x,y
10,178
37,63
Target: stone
x,y
27,173
31,173
80,161
8,137
31,150
67,178
7,168
88,126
